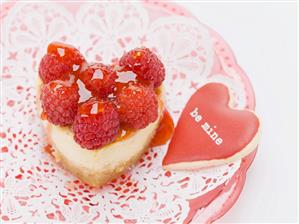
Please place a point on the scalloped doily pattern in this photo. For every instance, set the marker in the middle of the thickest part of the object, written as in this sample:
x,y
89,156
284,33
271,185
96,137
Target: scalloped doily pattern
x,y
33,187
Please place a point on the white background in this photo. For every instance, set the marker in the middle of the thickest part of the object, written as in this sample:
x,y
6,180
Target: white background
x,y
263,37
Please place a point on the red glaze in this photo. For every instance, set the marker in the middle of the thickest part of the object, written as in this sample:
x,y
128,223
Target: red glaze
x,y
99,79
67,54
124,79
124,134
164,131
49,149
43,116
91,108
191,143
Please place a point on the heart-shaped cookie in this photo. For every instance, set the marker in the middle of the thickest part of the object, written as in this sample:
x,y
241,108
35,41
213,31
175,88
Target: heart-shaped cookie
x,y
210,132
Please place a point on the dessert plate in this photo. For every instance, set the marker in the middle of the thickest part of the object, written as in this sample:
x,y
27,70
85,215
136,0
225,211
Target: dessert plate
x,y
34,188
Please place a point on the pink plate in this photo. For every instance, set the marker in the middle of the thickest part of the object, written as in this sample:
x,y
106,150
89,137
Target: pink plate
x,y
35,189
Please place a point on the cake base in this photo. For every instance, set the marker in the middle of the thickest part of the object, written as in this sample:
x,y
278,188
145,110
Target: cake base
x,y
94,177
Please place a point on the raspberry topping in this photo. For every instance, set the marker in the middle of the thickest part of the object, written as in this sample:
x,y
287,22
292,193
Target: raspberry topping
x,y
99,101
60,61
96,124
145,64
137,106
67,54
99,79
59,101
50,68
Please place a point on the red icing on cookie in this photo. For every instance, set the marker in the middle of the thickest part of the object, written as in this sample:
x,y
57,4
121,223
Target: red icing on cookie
x,y
209,129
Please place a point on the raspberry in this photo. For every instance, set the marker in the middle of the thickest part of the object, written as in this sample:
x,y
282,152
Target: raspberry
x,y
61,60
60,102
137,106
145,64
99,79
67,54
96,124
51,69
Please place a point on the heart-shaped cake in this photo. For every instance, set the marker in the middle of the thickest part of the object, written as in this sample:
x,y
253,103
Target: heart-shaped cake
x,y
210,132
100,119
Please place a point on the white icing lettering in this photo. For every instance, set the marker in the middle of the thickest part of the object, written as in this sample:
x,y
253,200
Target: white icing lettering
x,y
218,141
206,127
198,118
210,131
195,115
214,136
